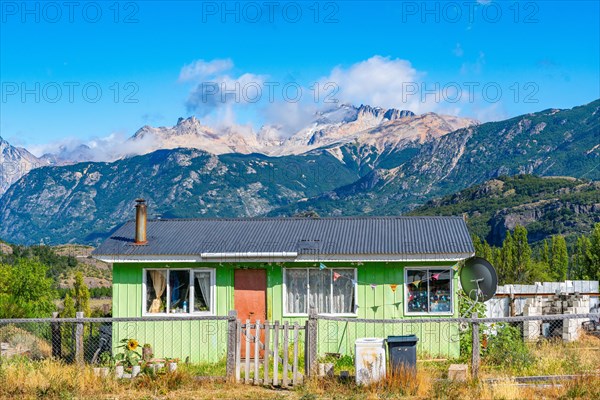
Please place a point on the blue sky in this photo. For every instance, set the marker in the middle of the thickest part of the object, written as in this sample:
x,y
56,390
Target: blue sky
x,y
162,56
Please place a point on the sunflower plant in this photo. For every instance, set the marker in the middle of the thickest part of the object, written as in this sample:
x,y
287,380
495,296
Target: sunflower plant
x,y
130,356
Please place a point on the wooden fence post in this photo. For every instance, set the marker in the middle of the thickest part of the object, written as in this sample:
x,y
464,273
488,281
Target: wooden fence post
x,y
284,378
276,355
56,338
256,352
295,362
247,354
475,360
311,342
231,343
238,351
79,350
266,379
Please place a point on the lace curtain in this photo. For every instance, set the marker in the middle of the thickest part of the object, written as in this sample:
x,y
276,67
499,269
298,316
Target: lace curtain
x,y
320,290
296,284
316,288
202,296
343,292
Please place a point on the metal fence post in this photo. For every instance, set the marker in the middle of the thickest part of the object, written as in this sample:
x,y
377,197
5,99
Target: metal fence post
x,y
475,360
79,338
310,357
56,337
231,343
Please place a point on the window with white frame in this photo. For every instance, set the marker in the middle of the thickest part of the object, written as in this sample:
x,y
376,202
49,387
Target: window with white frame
x,y
179,291
428,290
330,291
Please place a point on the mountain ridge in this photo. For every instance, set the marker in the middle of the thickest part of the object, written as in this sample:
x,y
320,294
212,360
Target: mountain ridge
x,y
85,201
335,126
14,163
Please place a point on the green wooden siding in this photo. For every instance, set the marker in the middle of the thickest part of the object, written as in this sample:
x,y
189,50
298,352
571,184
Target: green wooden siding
x,y
206,340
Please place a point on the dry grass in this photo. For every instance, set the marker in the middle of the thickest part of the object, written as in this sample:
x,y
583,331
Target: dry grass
x,y
426,386
555,357
54,380
21,341
22,378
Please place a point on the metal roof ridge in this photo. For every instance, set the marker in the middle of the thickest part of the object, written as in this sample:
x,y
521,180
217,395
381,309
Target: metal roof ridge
x,y
358,217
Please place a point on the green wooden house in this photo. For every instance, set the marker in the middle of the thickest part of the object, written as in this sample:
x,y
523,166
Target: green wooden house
x,y
276,269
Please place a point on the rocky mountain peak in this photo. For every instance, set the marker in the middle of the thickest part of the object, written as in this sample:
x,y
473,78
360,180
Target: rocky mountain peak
x,y
188,122
14,163
393,114
381,114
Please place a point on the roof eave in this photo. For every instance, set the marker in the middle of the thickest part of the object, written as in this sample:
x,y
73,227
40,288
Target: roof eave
x,y
287,257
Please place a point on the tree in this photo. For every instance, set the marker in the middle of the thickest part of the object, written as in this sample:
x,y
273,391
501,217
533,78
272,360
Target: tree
x,y
545,255
482,248
594,253
582,261
514,258
539,272
521,254
586,260
505,260
26,291
68,307
559,259
81,295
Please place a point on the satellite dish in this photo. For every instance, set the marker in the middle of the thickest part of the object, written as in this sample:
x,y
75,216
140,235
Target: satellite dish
x,y
478,279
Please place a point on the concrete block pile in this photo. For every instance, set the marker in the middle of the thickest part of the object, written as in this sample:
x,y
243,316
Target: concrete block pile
x,y
560,303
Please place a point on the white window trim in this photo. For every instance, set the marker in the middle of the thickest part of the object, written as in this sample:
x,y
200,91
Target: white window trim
x,y
284,294
444,313
191,295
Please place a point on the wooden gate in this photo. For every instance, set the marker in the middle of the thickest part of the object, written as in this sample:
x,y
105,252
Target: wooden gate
x,y
274,358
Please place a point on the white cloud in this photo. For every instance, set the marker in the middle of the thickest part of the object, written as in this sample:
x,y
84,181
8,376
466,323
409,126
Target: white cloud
x,y
290,117
388,83
493,112
219,91
200,69
107,148
377,81
215,89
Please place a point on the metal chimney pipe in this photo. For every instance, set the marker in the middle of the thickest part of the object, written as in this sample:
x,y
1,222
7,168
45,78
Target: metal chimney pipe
x,y
141,218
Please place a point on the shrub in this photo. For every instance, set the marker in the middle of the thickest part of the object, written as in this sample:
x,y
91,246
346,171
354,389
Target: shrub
x,y
506,348
465,306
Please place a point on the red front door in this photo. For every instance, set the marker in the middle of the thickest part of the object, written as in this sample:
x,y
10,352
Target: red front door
x,y
250,299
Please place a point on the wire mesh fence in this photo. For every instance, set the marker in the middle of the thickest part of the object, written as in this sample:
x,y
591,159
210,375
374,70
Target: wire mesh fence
x,y
214,340
96,340
456,338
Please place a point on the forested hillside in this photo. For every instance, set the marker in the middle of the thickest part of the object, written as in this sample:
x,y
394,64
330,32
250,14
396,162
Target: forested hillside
x,y
545,205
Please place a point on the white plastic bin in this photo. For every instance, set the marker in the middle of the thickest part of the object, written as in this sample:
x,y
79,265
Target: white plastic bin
x,y
369,360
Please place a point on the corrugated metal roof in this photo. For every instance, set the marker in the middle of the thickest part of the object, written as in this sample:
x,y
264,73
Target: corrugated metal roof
x,y
332,236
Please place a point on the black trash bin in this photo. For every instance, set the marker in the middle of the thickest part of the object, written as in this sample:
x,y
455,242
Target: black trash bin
x,y
402,352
